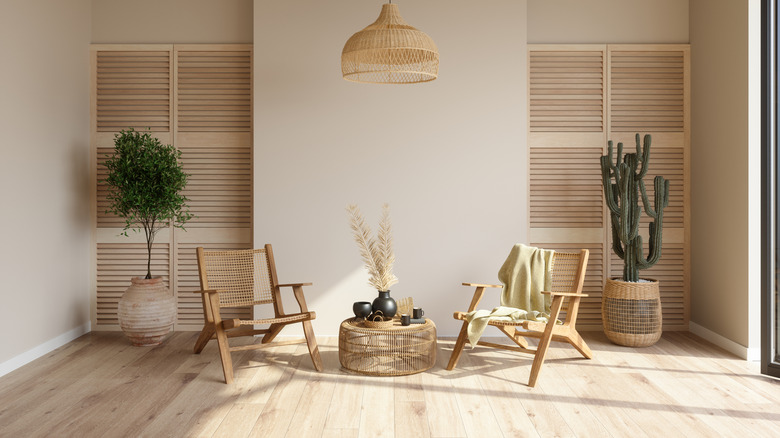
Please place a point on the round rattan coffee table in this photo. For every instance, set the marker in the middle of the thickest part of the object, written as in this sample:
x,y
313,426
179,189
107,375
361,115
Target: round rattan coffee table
x,y
388,351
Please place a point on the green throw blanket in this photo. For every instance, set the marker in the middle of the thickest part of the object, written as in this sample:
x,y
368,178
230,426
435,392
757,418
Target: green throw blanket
x,y
525,274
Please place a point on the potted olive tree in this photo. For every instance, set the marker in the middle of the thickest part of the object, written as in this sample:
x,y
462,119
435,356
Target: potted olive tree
x,y
631,306
145,182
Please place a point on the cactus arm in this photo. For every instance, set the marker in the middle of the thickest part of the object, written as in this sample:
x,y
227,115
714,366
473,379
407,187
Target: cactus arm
x,y
646,200
610,194
644,155
616,244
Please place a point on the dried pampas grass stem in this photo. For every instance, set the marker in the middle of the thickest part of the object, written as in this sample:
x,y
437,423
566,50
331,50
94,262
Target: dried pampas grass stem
x,y
377,253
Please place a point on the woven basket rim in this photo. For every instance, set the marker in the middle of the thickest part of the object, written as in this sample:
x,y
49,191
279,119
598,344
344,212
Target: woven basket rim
x,y
620,280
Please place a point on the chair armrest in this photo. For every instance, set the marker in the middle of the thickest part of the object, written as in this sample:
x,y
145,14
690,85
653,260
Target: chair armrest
x,y
294,284
207,291
564,294
478,292
298,292
482,285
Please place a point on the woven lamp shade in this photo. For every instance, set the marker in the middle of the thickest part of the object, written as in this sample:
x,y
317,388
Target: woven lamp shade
x,y
390,51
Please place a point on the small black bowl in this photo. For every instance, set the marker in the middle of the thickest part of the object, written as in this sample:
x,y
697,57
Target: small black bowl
x,y
361,308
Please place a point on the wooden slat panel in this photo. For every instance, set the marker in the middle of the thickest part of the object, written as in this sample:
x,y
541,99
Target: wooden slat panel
x,y
566,91
133,90
220,186
214,91
669,271
189,305
116,264
647,91
566,188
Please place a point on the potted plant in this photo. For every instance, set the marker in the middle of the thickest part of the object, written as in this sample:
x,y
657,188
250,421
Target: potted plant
x,y
377,254
145,180
631,306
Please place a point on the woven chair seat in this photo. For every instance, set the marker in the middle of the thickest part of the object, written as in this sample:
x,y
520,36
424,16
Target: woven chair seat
x,y
499,323
297,317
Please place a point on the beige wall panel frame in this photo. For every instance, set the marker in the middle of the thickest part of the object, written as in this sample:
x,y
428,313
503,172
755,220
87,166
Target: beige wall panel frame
x,y
646,89
208,104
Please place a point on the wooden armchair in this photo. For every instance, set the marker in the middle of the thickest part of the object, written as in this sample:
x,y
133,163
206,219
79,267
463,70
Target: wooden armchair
x,y
247,278
568,274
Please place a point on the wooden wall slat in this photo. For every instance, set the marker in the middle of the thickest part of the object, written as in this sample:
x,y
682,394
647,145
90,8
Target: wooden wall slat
x,y
566,91
133,90
646,91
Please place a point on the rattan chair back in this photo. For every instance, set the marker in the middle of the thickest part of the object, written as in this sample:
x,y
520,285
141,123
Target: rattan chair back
x,y
567,277
242,277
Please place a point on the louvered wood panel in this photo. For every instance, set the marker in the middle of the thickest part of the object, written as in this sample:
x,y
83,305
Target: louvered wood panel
x,y
566,91
589,316
669,271
214,91
647,91
565,188
220,185
189,304
116,264
133,90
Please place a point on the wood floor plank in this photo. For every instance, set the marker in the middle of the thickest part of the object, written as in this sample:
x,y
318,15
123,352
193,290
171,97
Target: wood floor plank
x,y
288,393
443,416
377,413
99,385
239,420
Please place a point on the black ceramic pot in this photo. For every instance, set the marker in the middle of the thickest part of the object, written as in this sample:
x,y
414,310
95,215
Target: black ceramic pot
x,y
361,308
385,304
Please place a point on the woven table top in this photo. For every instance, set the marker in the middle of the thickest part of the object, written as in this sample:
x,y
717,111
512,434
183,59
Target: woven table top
x,y
356,324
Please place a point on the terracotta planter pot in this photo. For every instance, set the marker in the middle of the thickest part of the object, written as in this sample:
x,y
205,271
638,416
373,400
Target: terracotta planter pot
x,y
631,312
146,311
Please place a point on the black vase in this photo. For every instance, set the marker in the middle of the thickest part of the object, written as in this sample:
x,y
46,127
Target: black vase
x,y
385,304
361,309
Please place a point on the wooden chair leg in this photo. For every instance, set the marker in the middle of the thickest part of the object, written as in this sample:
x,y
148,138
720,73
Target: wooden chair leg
x,y
224,354
544,342
311,341
459,344
222,339
273,330
204,338
577,342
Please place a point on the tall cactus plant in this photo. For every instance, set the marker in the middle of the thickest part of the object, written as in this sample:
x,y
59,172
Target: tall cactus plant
x,y
623,203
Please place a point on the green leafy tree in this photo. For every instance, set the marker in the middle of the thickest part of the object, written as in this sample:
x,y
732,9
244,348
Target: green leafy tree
x,y
145,181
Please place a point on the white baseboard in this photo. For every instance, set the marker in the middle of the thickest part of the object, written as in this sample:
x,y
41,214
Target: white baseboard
x,y
750,354
36,352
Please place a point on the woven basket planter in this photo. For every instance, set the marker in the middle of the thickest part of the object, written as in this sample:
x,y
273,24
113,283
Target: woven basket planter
x,y
631,312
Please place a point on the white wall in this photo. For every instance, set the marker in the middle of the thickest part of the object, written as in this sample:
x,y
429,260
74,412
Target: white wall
x,y
725,155
449,156
171,21
44,182
607,21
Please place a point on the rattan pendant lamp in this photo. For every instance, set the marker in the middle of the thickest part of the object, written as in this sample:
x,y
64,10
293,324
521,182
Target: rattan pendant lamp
x,y
390,51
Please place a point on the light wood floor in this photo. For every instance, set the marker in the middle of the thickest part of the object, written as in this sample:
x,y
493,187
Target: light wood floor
x,y
99,385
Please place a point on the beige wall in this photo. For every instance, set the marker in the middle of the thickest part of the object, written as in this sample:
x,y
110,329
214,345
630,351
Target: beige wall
x,y
607,21
449,156
44,182
172,21
723,247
